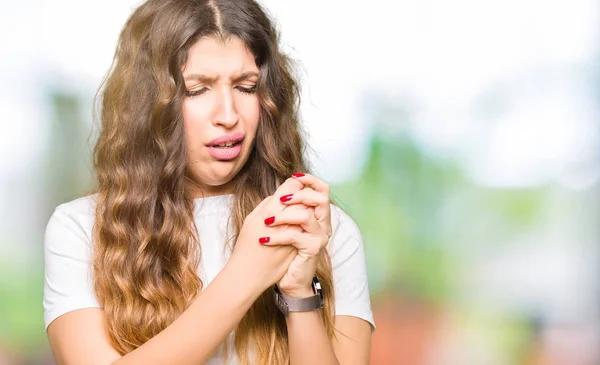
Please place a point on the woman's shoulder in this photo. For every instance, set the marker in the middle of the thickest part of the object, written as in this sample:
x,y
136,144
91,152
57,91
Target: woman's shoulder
x,y
74,218
67,259
85,205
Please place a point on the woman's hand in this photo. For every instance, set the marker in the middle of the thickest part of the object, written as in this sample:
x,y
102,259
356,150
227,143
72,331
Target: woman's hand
x,y
315,221
265,266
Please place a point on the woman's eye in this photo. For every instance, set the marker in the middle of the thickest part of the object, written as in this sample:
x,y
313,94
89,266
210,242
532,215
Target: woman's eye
x,y
247,90
192,93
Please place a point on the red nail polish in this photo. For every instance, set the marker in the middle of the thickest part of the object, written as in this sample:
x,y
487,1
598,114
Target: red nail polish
x,y
264,240
298,174
270,220
286,198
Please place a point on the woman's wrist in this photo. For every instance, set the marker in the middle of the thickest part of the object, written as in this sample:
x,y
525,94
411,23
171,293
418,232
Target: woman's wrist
x,y
238,275
303,292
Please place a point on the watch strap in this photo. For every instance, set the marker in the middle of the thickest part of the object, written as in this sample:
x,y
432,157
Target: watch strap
x,y
288,304
300,304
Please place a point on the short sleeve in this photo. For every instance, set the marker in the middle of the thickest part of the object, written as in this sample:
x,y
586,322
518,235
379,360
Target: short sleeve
x,y
67,269
348,262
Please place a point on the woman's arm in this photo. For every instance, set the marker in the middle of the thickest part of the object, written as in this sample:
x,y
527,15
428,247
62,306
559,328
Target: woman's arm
x,y
309,344
80,337
307,338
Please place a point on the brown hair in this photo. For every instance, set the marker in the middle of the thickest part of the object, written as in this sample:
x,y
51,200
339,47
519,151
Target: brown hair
x,y
146,247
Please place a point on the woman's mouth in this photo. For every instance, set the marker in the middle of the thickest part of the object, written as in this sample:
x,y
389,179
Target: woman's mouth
x,y
226,148
225,152
226,145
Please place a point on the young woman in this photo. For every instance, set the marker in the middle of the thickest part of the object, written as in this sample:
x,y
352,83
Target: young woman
x,y
206,241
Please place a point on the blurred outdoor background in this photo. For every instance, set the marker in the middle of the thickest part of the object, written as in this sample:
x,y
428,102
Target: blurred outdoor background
x,y
463,136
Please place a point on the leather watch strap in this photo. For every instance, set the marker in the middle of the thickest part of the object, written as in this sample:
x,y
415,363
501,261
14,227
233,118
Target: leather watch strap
x,y
288,304
299,304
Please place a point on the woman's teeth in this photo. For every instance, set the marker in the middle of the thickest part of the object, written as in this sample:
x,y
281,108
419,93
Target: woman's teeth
x,y
225,145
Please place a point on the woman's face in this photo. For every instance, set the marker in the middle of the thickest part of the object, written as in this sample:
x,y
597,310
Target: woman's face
x,y
220,112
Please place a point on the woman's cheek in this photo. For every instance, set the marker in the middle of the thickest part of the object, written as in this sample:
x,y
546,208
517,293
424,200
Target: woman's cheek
x,y
251,111
194,111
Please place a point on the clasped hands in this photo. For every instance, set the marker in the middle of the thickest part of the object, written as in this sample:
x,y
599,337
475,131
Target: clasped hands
x,y
302,218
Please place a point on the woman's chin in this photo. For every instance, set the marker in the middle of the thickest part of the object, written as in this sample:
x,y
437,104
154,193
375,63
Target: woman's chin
x,y
221,183
218,177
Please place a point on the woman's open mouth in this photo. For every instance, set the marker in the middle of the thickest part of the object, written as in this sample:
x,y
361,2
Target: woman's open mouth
x,y
227,147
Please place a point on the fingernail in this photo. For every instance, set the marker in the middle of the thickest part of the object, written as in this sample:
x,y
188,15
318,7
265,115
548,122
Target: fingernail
x,y
270,220
286,198
264,240
298,174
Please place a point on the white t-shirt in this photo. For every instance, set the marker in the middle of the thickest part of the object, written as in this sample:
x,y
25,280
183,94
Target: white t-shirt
x,y
67,254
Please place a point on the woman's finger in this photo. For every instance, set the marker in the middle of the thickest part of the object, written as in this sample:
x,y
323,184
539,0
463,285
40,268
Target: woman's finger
x,y
305,218
314,182
322,212
308,245
306,196
311,198
274,206
288,186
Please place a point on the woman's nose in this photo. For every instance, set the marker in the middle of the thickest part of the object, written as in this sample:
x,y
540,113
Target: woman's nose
x,y
226,114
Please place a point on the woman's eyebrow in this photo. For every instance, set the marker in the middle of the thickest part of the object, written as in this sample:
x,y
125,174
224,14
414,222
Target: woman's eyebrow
x,y
244,76
209,80
202,78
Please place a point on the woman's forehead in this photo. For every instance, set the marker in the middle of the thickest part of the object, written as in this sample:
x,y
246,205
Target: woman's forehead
x,y
214,58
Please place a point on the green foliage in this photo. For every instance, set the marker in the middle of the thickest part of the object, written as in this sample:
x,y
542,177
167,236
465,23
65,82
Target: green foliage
x,y
396,203
420,213
21,322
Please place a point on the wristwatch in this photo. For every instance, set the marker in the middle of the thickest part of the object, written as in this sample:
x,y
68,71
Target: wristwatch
x,y
287,304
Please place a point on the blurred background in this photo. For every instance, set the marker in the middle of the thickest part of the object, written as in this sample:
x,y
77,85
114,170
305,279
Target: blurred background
x,y
463,137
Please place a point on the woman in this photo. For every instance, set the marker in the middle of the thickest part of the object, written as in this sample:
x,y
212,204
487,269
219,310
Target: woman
x,y
199,245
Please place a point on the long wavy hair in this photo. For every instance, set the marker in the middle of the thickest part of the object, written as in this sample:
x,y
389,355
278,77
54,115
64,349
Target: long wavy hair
x,y
146,243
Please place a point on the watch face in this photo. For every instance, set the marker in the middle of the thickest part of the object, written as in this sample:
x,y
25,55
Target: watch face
x,y
318,290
